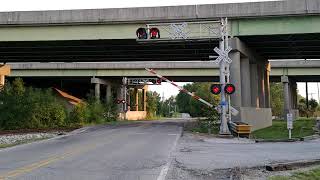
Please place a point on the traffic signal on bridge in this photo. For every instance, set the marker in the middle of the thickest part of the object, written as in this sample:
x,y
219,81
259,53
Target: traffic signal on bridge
x,y
215,89
141,33
229,89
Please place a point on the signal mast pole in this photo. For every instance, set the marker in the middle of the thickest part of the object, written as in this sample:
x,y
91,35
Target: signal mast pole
x,y
224,75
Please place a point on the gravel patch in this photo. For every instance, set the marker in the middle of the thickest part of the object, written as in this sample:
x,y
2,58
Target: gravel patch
x,y
18,138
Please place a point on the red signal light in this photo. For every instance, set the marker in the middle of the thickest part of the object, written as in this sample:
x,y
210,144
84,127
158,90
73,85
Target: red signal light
x,y
158,81
154,33
141,33
229,89
215,89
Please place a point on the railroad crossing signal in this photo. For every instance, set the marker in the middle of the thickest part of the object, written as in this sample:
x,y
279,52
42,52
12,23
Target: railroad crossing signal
x,y
215,89
142,33
154,33
229,89
223,55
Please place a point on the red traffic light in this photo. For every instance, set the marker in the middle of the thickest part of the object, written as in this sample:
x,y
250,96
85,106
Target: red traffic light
x,y
229,89
141,33
154,33
215,89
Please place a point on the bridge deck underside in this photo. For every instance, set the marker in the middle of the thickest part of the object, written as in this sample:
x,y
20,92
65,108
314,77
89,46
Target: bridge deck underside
x,y
291,46
105,50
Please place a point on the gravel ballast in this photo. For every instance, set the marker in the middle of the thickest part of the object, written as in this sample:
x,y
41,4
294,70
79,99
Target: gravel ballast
x,y
19,138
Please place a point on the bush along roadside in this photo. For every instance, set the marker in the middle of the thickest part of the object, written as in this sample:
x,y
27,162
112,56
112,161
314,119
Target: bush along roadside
x,y
30,108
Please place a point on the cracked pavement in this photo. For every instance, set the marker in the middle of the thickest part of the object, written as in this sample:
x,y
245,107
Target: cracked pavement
x,y
199,157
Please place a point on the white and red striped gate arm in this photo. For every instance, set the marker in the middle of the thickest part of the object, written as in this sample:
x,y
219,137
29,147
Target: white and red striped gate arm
x,y
180,88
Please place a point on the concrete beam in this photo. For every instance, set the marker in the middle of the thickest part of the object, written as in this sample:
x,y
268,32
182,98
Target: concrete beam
x,y
237,45
187,73
119,65
154,14
99,81
275,25
295,63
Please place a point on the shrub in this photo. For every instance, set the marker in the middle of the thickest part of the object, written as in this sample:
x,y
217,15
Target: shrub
x,y
79,115
29,108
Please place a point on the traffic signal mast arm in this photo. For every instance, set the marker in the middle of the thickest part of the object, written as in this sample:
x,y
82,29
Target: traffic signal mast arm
x,y
180,88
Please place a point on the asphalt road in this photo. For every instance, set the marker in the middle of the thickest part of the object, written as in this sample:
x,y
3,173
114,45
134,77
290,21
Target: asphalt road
x,y
136,151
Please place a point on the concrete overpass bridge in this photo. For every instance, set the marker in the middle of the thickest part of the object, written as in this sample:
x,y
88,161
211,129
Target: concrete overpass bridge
x,y
258,31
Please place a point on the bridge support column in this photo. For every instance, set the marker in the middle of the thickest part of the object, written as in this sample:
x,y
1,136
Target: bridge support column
x,y
267,85
108,93
136,95
144,96
2,80
249,73
290,96
286,105
97,91
254,85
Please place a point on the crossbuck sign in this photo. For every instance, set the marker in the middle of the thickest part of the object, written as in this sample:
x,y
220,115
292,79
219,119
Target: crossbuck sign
x,y
223,55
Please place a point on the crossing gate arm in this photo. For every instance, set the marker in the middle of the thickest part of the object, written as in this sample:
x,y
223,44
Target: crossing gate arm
x,y
180,88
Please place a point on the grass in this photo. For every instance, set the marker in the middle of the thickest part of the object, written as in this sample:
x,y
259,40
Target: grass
x,y
301,128
21,142
308,175
202,126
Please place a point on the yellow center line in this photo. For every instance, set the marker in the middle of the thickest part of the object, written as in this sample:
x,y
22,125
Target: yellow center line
x,y
42,163
73,151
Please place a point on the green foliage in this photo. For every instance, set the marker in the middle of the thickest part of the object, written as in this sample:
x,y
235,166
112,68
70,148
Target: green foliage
x,y
93,112
309,175
153,101
186,104
307,112
28,108
301,127
167,108
276,94
79,115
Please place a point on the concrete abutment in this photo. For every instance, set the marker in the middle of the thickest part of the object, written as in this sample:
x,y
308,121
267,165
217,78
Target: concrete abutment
x,y
250,74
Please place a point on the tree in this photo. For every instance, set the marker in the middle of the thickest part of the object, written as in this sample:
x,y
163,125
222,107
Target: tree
x,y
153,101
304,111
277,102
186,104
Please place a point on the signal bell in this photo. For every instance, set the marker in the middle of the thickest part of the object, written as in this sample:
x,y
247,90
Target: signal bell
x,y
215,89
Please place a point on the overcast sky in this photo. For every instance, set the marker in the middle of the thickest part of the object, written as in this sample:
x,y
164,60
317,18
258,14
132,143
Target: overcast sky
x,y
167,89
26,5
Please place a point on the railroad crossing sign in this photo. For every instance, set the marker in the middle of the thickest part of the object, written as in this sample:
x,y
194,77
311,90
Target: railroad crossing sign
x,y
223,55
179,31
